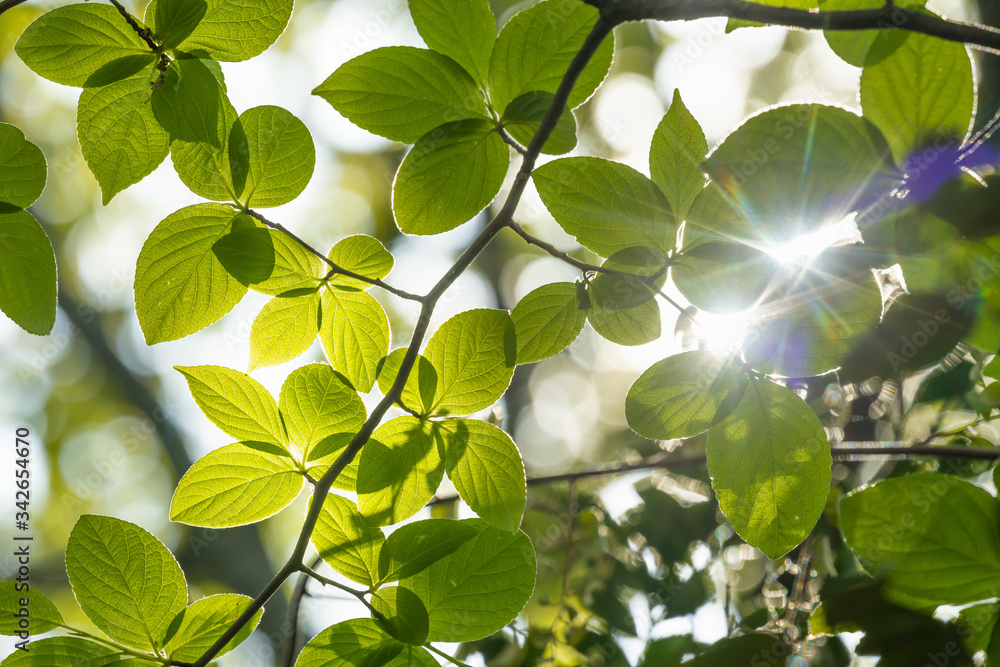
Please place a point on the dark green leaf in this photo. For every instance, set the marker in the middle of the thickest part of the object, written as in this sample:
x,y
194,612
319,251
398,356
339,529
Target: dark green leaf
x,y
268,261
758,649
867,47
173,20
523,116
19,603
203,622
22,168
359,642
27,273
624,309
403,615
938,536
63,652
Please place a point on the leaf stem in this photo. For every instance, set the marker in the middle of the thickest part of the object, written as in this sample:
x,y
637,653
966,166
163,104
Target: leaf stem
x,y
451,659
334,267
142,32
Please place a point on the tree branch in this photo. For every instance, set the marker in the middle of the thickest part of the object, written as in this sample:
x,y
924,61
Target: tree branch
x,y
887,17
334,267
9,4
287,657
842,451
600,30
142,32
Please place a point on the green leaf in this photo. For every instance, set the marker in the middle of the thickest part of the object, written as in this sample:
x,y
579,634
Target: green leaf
x,y
234,486
83,44
236,403
416,546
814,325
675,156
316,403
403,615
119,136
486,468
359,642
63,652
346,542
285,328
402,93
757,648
413,656
866,47
208,146
535,48
173,20
606,205
235,30
479,588
547,320
22,168
354,331
281,156
268,261
421,383
38,611
623,308
474,355
992,369
463,31
937,535
203,622
795,167
27,273
523,116
922,93
720,268
770,466
363,255
684,395
125,580
452,173
180,285
400,468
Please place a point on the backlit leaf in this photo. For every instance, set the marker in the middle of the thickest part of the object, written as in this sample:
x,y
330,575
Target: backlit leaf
x,y
535,48
355,334
606,205
119,136
233,486
418,545
285,328
204,621
39,612
421,383
348,544
236,403
480,587
770,465
402,615
74,43
317,403
22,168
402,93
234,30
486,468
474,355
63,652
281,156
463,31
359,642
452,173
675,155
125,580
361,254
547,320
523,116
683,395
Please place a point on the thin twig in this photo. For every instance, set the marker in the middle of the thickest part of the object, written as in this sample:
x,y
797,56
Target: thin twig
x,y
510,140
287,657
139,30
9,4
334,267
449,658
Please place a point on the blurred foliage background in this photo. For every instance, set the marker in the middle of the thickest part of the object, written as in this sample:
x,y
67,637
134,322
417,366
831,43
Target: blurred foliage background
x,y
632,568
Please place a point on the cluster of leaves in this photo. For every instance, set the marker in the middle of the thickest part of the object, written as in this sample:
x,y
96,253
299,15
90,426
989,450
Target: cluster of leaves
x,y
708,222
